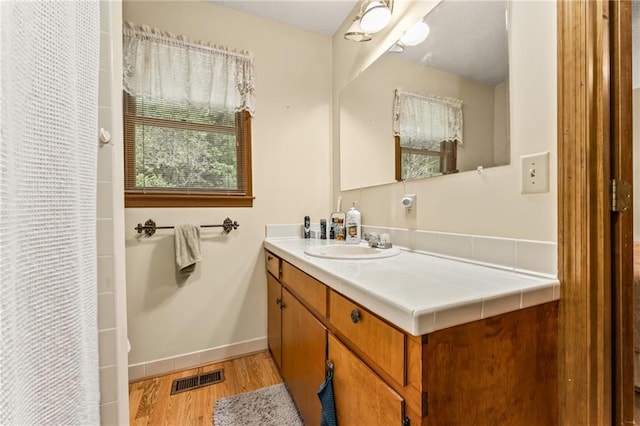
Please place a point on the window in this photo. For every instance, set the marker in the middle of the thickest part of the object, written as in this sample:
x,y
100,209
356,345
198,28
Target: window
x,y
187,122
427,132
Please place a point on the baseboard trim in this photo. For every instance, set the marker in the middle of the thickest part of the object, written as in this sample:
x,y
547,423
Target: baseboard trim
x,y
159,367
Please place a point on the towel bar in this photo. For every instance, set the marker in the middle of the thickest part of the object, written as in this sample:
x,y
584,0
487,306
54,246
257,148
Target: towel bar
x,y
149,228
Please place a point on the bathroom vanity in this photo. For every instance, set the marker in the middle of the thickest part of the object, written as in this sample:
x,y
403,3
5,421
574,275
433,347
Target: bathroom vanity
x,y
406,350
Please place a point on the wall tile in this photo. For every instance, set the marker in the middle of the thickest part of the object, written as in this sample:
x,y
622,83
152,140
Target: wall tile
x,y
427,241
159,367
496,251
184,362
537,256
136,372
108,386
491,307
107,346
109,414
536,297
455,245
105,161
106,311
257,345
458,315
105,16
105,51
104,208
105,237
104,88
105,274
281,231
224,352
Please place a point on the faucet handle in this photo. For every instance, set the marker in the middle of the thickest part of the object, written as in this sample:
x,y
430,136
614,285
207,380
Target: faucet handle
x,y
372,238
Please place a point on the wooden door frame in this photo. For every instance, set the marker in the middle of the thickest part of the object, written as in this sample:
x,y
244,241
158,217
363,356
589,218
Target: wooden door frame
x,y
594,244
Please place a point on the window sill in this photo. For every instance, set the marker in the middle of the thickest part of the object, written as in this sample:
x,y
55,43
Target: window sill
x,y
186,200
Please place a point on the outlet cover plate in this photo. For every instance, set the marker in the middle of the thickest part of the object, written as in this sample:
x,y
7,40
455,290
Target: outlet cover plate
x,y
535,173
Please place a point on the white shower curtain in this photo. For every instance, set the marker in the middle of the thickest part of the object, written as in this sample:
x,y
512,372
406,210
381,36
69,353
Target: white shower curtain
x,y
48,151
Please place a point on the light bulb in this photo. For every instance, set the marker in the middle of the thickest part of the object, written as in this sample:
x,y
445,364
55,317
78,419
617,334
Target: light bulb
x,y
376,16
416,34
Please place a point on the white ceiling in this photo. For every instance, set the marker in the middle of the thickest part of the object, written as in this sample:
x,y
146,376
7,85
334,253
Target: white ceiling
x,y
467,38
318,16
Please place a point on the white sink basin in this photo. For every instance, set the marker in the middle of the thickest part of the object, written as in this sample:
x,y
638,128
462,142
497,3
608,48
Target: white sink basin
x,y
351,252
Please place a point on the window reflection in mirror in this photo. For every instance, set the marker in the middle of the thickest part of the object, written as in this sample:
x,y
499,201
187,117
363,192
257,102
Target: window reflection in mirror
x,y
465,58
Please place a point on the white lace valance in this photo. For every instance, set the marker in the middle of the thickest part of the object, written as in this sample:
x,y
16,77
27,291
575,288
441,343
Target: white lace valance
x,y
160,65
423,121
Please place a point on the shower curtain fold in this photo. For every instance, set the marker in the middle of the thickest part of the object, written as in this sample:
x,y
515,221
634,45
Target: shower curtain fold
x,y
49,67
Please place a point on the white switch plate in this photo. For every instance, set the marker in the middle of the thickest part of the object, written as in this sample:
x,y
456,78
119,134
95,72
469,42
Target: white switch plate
x,y
535,173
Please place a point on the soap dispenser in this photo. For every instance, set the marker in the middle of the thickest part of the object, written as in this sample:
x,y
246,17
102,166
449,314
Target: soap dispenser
x,y
354,230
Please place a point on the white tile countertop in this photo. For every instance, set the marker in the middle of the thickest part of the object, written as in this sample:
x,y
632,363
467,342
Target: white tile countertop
x,y
417,292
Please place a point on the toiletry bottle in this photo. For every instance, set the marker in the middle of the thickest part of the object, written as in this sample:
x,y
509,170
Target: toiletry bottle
x,y
332,229
354,230
307,227
323,229
339,229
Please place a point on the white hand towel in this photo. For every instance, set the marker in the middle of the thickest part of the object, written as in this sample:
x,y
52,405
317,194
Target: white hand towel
x,y
187,242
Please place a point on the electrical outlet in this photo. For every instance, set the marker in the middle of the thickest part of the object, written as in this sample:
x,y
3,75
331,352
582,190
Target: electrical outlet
x,y
409,203
535,173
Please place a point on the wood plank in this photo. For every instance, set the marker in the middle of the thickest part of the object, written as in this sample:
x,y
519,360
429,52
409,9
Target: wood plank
x,y
310,291
584,237
274,319
497,371
361,397
273,264
384,344
151,404
303,357
622,169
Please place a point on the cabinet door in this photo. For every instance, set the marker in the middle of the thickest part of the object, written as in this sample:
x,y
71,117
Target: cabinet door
x,y
274,321
303,356
361,397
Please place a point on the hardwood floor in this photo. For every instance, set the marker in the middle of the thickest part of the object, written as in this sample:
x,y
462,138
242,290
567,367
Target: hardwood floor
x,y
150,402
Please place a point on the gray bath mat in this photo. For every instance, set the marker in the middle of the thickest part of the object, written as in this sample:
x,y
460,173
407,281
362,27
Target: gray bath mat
x,y
270,406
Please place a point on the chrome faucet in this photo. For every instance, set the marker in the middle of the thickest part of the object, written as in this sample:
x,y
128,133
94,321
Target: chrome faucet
x,y
376,241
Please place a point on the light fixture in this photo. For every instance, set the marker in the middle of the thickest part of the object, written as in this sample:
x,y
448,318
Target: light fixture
x,y
373,17
355,33
398,47
415,35
376,16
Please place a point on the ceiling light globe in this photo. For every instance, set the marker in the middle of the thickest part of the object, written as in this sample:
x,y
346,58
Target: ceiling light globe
x,y
376,16
416,34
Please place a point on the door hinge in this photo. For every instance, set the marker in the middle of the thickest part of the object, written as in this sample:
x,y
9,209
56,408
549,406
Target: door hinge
x,y
406,421
620,195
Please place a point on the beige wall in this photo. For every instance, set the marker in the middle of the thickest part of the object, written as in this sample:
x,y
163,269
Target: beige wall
x,y
489,203
366,118
501,124
224,302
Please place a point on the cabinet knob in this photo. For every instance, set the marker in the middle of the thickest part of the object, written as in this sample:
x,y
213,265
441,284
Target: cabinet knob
x,y
278,301
269,257
355,316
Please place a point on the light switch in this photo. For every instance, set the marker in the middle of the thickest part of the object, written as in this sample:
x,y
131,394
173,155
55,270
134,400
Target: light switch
x,y
535,173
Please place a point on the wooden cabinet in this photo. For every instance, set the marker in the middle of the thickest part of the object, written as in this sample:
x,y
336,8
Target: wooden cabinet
x,y
361,397
274,319
498,370
303,356
369,334
297,339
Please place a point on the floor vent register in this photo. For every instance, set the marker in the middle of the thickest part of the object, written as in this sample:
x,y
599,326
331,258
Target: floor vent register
x,y
195,382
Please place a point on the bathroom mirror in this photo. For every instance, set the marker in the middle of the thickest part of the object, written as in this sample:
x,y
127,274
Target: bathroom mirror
x,y
464,58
